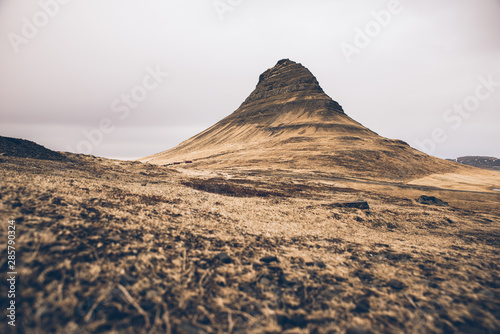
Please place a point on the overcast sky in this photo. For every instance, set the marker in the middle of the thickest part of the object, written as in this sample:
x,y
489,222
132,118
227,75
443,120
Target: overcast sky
x,y
99,67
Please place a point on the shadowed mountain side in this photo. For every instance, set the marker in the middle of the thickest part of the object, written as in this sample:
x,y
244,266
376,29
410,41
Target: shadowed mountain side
x,y
22,148
289,122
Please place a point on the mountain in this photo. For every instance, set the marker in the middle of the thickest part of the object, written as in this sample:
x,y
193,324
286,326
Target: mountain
x,y
27,149
289,122
481,162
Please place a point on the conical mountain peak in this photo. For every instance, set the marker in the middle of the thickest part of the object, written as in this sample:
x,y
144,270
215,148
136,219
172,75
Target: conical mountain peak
x,y
287,71
288,87
287,79
289,122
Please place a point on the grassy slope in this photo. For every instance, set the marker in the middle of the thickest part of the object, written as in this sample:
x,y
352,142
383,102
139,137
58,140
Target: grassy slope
x,y
130,247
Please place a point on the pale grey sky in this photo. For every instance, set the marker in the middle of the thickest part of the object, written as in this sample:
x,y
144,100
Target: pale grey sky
x,y
65,67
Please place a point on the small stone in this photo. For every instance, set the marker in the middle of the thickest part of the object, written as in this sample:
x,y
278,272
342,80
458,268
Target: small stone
x,y
362,205
362,306
396,284
320,264
269,259
431,200
223,257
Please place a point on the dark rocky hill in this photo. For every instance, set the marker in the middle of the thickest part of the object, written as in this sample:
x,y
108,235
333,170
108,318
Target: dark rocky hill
x,y
481,162
22,148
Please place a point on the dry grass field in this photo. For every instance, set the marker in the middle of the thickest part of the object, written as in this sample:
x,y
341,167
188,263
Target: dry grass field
x,y
106,246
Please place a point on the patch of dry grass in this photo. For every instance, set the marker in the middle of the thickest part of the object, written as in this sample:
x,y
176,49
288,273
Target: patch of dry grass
x,y
109,246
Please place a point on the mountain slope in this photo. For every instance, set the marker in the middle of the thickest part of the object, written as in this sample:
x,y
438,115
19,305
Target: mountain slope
x,y
289,122
27,149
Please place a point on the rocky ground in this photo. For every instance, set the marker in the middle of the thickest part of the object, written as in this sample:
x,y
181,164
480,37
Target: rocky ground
x,y
108,246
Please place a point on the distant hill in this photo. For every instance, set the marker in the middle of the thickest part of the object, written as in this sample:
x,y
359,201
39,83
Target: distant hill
x,y
22,148
481,162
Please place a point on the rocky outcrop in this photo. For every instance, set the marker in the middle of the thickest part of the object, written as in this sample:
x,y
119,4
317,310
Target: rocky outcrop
x,y
286,89
363,205
431,200
287,79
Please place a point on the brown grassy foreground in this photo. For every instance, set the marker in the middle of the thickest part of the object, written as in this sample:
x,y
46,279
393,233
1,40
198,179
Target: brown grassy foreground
x,y
110,246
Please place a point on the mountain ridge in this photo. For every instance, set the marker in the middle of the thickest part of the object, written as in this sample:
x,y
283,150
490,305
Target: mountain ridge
x,y
484,162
